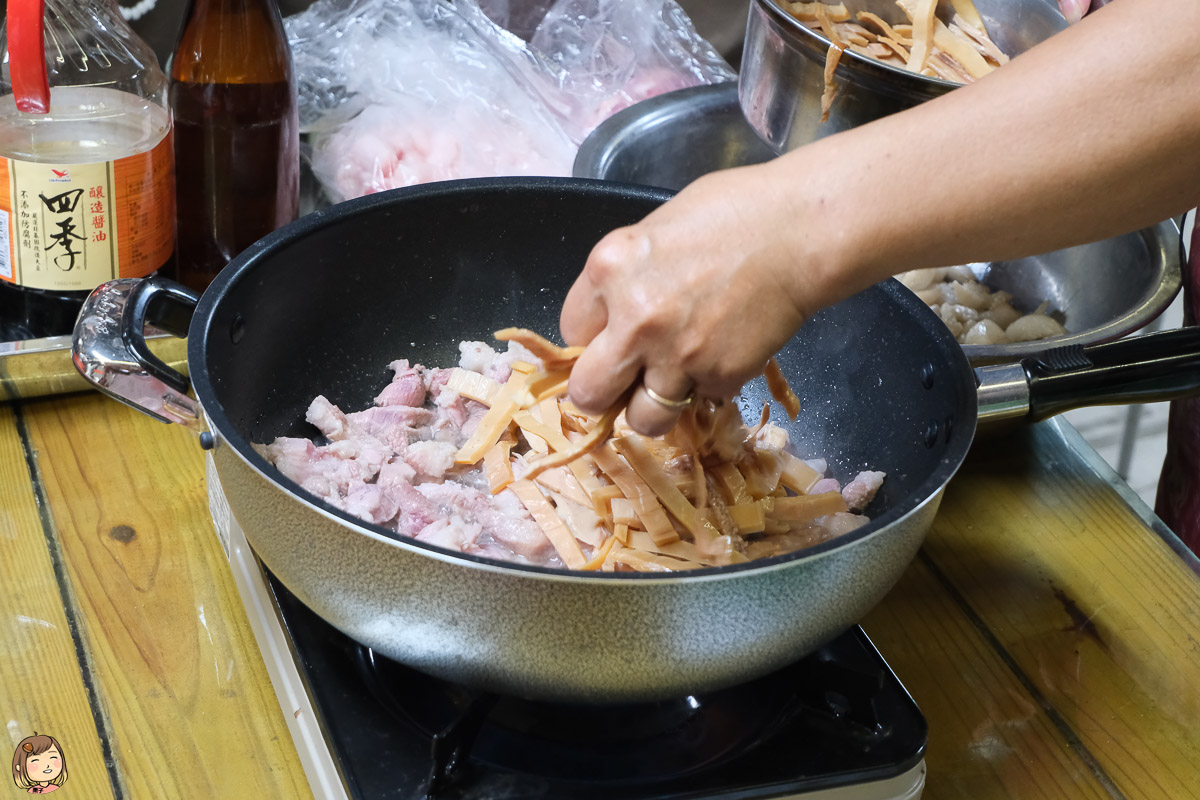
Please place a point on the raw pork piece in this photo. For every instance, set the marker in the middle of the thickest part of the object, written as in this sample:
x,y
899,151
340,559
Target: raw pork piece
x,y
859,492
393,464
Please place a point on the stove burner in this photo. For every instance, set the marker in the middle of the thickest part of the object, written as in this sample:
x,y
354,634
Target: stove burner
x,y
563,741
836,718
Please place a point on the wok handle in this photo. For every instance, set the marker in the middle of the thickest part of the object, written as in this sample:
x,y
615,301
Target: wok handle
x,y
1140,369
109,347
166,305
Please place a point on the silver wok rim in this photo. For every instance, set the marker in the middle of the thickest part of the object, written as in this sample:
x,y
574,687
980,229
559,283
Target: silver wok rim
x,y
241,268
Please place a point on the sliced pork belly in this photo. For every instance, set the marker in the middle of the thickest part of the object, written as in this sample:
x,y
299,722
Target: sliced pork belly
x,y
859,492
327,418
449,408
482,358
503,519
451,532
431,459
407,387
395,426
373,502
329,472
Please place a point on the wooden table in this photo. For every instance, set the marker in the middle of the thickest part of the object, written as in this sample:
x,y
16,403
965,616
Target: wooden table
x,y
1048,629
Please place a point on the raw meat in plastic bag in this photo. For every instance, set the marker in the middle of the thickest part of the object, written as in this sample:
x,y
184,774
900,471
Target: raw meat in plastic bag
x,y
399,144
396,93
399,92
614,53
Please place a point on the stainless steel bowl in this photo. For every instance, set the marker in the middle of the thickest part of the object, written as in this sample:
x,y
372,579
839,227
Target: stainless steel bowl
x,y
782,75
670,140
1102,290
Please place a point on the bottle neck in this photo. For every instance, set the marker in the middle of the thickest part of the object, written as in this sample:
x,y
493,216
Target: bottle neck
x,y
230,7
232,42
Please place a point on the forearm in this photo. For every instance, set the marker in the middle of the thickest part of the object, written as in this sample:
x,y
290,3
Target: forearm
x,y
1090,135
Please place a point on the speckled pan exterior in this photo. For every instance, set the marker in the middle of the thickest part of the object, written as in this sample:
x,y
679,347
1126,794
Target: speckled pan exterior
x,y
562,637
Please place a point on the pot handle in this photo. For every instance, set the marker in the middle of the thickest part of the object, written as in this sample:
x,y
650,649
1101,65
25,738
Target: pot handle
x,y
1148,368
109,346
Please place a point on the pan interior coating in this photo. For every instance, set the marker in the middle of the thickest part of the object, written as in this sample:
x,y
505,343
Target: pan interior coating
x,y
325,304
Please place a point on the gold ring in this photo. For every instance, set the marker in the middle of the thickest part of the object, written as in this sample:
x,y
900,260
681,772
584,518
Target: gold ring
x,y
666,402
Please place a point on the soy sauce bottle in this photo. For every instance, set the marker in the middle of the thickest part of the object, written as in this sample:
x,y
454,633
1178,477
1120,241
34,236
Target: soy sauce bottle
x,y
86,190
237,142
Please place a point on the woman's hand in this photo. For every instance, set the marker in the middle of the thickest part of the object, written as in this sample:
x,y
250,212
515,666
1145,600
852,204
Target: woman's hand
x,y
698,295
693,300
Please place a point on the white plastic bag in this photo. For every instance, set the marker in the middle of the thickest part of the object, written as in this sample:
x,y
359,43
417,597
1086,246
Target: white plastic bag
x,y
399,92
614,53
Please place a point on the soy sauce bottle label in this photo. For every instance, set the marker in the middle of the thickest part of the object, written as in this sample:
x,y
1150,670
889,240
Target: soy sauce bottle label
x,y
71,227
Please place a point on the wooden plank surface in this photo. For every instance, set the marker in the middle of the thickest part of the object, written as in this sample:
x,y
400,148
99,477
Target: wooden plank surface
x,y
191,710
1037,565
43,688
987,736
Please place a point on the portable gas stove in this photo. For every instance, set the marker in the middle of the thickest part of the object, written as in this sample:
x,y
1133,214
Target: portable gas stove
x,y
836,725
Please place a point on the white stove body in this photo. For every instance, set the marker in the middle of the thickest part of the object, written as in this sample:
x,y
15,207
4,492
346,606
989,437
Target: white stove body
x,y
320,766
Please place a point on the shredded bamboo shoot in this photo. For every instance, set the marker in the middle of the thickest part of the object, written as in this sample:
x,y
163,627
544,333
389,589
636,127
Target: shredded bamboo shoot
x,y
703,496
959,51
550,522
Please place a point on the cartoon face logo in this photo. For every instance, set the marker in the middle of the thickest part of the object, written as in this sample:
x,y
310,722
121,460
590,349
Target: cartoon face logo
x,y
39,766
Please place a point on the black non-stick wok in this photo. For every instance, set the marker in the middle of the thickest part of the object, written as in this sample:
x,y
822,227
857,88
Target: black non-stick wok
x,y
324,305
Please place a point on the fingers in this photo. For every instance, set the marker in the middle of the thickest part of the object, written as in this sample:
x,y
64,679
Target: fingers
x,y
655,407
612,363
585,311
1074,10
600,378
602,374
672,303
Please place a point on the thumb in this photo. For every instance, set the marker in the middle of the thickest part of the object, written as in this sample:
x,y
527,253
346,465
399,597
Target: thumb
x,y
1074,10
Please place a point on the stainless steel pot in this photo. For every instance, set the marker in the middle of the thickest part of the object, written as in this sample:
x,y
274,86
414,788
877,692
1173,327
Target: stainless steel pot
x,y
325,304
782,74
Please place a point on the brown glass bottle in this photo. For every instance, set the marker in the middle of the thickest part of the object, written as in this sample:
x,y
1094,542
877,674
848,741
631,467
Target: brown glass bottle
x,y
237,142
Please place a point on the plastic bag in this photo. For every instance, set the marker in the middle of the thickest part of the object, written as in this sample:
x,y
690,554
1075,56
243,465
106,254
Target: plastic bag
x,y
399,92
614,53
